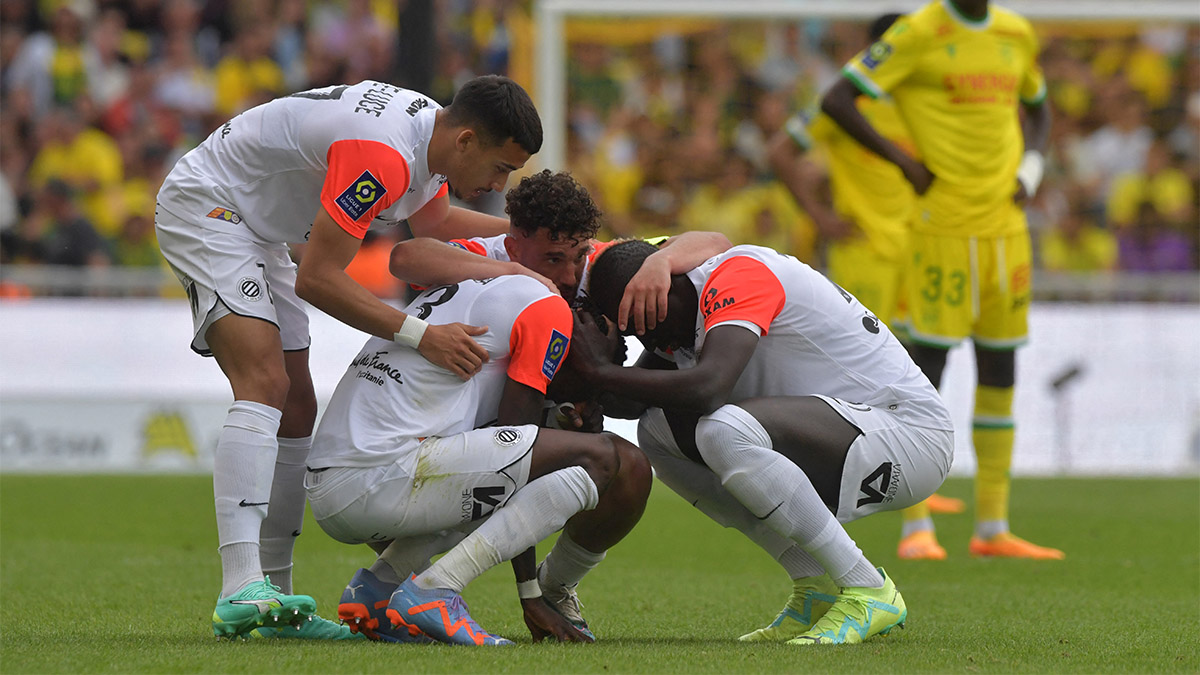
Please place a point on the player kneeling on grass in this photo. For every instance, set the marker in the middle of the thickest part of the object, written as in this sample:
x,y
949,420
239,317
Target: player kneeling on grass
x,y
405,460
781,407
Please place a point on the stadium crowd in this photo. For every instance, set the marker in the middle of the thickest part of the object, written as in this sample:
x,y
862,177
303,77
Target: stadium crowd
x,y
668,119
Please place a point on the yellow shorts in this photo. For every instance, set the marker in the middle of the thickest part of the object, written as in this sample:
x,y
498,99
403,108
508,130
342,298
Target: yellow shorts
x,y
976,287
875,280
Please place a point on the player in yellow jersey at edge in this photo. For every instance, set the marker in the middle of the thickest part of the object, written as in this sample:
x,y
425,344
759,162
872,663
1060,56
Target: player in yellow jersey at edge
x,y
866,228
959,72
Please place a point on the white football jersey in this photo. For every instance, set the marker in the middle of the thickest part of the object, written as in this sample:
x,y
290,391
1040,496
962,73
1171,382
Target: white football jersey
x,y
358,150
815,338
391,397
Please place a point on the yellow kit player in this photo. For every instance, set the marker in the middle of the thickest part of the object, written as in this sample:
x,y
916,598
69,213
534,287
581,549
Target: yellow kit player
x,y
959,72
867,226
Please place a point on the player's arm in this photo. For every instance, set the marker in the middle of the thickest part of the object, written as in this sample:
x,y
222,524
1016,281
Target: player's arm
x,y
1035,125
424,261
322,281
702,389
839,104
788,153
439,220
645,298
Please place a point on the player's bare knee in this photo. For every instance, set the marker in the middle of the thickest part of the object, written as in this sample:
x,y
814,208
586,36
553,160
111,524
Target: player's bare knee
x,y
600,459
635,472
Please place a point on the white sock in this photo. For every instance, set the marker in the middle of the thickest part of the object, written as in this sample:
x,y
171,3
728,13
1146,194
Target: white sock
x,y
702,489
285,519
532,514
986,529
243,465
738,449
404,557
567,563
918,525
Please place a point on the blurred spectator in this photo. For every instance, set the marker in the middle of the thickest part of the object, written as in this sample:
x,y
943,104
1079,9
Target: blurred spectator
x,y
49,68
83,157
1077,244
55,233
1117,147
247,76
1151,245
1161,183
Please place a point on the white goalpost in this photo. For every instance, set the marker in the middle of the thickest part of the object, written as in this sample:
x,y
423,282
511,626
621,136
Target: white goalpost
x,y
551,16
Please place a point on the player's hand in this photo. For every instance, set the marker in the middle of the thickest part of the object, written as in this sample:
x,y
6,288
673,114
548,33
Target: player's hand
x,y
544,622
584,416
1020,196
590,347
645,298
451,347
918,175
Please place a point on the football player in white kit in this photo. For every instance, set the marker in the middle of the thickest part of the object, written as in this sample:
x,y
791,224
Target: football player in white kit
x,y
322,167
407,459
553,224
781,407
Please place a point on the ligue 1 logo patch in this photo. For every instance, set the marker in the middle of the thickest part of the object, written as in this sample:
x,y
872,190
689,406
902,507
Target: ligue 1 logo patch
x,y
361,195
877,54
554,353
507,436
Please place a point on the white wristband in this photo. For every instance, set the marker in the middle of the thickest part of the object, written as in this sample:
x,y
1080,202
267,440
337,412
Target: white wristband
x,y
1029,174
411,332
527,590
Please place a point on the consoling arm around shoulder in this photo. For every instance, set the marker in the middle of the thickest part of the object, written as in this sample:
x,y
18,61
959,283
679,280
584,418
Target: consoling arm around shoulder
x,y
428,262
440,220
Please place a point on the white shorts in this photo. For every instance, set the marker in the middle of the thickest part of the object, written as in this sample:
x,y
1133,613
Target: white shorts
x,y
892,465
456,480
227,273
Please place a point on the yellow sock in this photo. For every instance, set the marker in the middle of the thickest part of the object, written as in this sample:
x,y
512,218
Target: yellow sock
x,y
992,433
915,512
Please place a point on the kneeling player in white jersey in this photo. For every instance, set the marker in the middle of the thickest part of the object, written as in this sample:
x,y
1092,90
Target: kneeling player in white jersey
x,y
322,167
405,459
790,409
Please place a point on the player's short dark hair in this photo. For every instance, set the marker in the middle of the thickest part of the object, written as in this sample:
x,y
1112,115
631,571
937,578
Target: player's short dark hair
x,y
497,109
881,24
555,201
611,271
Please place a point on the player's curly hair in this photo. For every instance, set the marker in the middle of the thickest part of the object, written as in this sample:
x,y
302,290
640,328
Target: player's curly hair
x,y
555,201
498,109
611,271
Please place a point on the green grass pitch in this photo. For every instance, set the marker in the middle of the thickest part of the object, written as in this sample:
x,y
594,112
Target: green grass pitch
x,y
119,574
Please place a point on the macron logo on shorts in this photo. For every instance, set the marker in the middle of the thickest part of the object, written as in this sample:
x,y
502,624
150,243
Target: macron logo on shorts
x,y
361,195
554,353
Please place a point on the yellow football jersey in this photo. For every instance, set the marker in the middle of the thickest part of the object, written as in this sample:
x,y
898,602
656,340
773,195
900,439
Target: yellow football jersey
x,y
867,190
957,83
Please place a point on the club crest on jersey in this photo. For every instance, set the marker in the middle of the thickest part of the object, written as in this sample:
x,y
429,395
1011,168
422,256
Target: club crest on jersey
x,y
876,54
225,214
250,289
554,353
361,195
507,436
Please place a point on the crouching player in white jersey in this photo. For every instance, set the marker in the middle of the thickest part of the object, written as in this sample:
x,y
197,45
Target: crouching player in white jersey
x,y
406,459
782,407
322,167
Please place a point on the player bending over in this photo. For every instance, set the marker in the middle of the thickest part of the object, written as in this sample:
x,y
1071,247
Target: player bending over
x,y
781,407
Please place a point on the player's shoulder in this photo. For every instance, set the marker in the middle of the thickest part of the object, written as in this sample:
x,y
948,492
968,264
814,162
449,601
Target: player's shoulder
x,y
1006,21
920,23
516,289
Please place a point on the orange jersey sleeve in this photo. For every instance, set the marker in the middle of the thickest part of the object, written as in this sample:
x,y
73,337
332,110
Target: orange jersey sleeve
x,y
364,178
742,289
539,341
